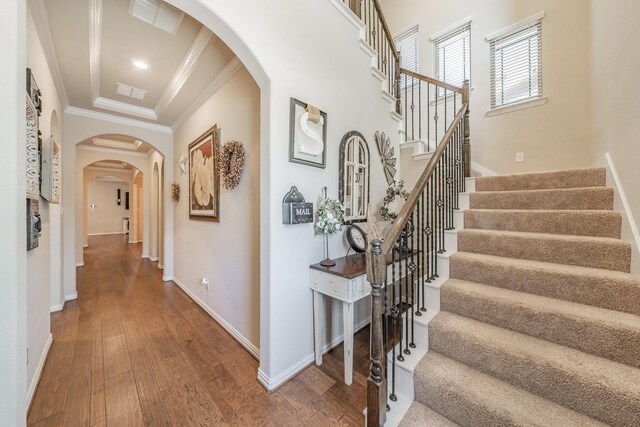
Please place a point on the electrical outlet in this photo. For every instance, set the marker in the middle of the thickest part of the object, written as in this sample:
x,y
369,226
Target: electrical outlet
x,y
519,157
205,282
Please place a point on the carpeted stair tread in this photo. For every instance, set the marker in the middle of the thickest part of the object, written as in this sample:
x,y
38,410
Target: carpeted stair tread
x,y
597,331
594,386
419,415
595,252
600,223
542,180
608,289
471,399
590,198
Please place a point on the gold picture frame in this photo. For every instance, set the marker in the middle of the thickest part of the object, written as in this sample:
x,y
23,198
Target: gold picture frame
x,y
204,177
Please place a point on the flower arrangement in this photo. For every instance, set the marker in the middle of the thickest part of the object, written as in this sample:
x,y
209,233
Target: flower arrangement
x,y
231,164
330,215
389,209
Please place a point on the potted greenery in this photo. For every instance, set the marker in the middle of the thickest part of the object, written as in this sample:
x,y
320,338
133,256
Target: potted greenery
x,y
330,215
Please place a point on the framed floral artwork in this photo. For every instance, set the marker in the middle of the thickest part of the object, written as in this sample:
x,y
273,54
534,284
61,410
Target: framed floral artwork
x,y
204,179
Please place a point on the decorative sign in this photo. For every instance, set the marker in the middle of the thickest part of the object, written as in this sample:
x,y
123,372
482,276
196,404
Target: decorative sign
x,y
294,209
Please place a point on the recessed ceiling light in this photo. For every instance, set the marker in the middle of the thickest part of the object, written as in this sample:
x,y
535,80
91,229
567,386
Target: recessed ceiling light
x,y
140,64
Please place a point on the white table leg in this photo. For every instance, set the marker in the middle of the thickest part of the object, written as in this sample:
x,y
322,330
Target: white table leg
x,y
347,319
318,334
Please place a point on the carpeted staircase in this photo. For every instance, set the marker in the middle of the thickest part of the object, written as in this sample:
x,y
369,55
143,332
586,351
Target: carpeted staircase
x,y
540,319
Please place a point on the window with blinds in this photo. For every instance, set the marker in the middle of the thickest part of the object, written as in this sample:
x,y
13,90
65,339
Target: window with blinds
x,y
408,45
452,55
516,65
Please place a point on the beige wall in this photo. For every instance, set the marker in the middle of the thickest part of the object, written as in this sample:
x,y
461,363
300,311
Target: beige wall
x,y
225,252
615,63
106,217
552,136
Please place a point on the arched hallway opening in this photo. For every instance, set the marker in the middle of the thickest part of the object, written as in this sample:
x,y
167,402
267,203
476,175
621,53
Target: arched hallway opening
x,y
134,350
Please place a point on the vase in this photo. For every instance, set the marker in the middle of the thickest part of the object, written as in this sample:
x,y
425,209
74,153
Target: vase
x,y
328,262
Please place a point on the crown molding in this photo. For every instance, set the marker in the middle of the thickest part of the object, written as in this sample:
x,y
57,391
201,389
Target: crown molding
x,y
111,150
95,46
81,112
225,75
110,143
124,108
41,22
185,69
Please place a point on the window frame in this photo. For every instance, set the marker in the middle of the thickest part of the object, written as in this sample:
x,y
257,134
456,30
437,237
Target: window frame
x,y
533,22
442,37
414,32
354,139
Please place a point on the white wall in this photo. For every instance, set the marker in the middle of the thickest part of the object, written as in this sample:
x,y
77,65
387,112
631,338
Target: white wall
x,y
39,269
13,265
615,110
552,136
227,252
106,216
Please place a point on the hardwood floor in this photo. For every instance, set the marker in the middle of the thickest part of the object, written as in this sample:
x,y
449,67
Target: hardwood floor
x,y
133,351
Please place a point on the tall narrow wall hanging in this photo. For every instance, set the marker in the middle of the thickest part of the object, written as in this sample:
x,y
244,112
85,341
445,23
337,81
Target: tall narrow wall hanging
x,y
204,179
307,135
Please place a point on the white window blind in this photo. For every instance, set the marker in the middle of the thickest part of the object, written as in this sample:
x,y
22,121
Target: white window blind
x,y
452,56
516,65
408,45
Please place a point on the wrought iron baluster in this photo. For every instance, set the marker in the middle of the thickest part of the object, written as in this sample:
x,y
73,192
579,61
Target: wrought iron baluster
x,y
420,110
420,248
413,107
394,319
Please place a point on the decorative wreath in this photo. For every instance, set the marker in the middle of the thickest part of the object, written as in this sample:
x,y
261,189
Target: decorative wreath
x,y
330,215
390,201
231,164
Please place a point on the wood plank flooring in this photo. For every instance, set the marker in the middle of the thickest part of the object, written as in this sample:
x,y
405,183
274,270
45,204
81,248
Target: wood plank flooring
x,y
134,351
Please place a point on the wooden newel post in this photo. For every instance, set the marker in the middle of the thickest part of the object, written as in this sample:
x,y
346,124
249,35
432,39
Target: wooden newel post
x,y
376,383
467,133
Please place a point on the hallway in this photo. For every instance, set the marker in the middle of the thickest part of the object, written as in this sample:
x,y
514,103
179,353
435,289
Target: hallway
x,y
133,350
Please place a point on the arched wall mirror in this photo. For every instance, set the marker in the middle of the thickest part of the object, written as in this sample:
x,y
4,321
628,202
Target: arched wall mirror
x,y
353,188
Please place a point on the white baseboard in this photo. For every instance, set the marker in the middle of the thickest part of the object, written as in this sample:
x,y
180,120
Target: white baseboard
x,y
56,308
273,383
244,342
80,264
154,259
629,230
481,170
145,256
71,297
36,377
167,278
105,234
85,246
160,266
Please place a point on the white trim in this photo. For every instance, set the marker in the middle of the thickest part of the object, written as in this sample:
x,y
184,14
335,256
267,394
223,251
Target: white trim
x,y
517,106
406,29
366,48
451,28
38,373
160,266
154,259
41,21
110,150
124,108
482,170
348,13
145,256
515,27
184,70
104,234
116,119
71,297
242,340
167,278
631,227
95,46
56,308
221,79
110,143
273,383
85,246
80,264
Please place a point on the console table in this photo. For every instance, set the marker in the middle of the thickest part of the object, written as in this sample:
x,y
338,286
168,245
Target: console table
x,y
346,282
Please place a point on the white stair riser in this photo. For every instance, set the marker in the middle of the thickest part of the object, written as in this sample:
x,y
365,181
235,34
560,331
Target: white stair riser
x,y
451,241
458,219
470,185
463,201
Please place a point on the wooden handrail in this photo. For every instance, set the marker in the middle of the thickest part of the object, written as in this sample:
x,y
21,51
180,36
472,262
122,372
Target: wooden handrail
x,y
387,32
432,80
407,209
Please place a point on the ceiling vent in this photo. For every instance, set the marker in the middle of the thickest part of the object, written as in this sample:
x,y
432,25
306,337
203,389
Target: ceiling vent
x,y
157,13
131,92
